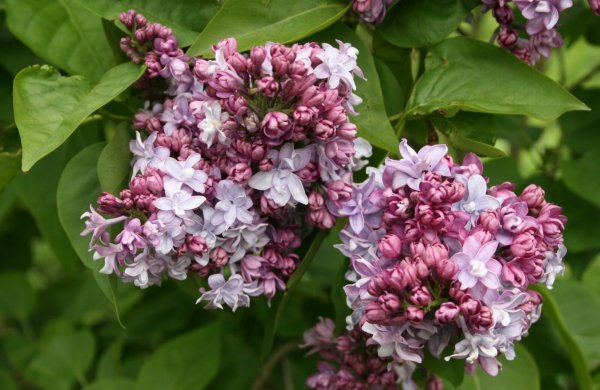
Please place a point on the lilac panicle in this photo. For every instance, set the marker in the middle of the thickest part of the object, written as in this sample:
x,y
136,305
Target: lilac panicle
x,y
235,161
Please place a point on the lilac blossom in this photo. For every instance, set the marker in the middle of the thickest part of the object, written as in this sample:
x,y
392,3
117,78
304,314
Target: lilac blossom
x,y
182,173
233,205
409,170
359,209
217,185
145,153
477,264
281,183
476,200
230,292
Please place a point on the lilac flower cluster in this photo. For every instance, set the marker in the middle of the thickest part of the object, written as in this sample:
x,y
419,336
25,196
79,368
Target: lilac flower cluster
x,y
542,18
230,160
347,362
371,11
438,258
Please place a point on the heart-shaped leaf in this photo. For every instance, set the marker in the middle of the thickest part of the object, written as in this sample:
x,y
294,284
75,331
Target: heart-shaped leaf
x,y
49,107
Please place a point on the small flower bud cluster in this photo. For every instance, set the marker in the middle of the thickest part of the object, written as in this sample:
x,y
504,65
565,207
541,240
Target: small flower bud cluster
x,y
348,363
438,258
542,18
230,163
371,11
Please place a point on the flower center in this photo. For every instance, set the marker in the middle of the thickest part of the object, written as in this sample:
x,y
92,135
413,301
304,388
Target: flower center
x,y
477,268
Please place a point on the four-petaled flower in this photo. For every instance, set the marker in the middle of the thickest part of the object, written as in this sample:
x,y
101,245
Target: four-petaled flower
x,y
230,292
476,200
181,173
476,264
281,183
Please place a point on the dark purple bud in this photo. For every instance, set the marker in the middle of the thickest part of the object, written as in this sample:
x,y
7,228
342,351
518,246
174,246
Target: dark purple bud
x,y
446,313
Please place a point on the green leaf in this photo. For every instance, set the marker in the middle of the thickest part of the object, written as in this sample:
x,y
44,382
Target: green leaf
x,y
580,309
64,359
470,132
372,121
393,94
186,362
113,163
465,74
580,128
591,276
63,33
49,107
111,384
6,381
185,17
452,371
562,302
465,144
582,176
37,191
254,22
521,373
9,167
17,298
417,23
77,190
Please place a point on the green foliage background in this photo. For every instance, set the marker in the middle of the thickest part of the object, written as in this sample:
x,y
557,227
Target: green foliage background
x,y
431,74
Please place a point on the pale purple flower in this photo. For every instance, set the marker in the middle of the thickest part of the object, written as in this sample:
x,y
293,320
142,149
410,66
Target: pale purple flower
x,y
243,239
509,320
338,65
145,154
180,173
233,205
395,341
177,269
476,199
144,271
554,265
130,237
477,264
410,169
180,203
362,244
478,348
110,254
177,115
230,292
212,125
542,14
359,209
281,183
97,224
170,233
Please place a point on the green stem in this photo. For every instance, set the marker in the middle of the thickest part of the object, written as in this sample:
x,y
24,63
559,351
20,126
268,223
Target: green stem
x,y
265,372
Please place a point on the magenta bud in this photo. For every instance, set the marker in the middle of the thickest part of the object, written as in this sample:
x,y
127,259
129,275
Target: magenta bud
x,y
414,314
324,130
446,269
268,86
339,190
347,131
240,172
446,313
420,296
533,196
304,116
219,257
390,246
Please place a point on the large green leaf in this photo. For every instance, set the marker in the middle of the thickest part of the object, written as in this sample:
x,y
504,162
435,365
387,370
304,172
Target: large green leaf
x,y
64,360
185,17
591,276
49,107
562,302
580,309
63,33
17,298
582,176
113,163
465,74
111,384
371,120
189,361
254,22
521,373
417,23
9,167
77,190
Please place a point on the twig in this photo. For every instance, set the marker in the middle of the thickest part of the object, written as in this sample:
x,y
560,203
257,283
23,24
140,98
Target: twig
x,y
276,356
